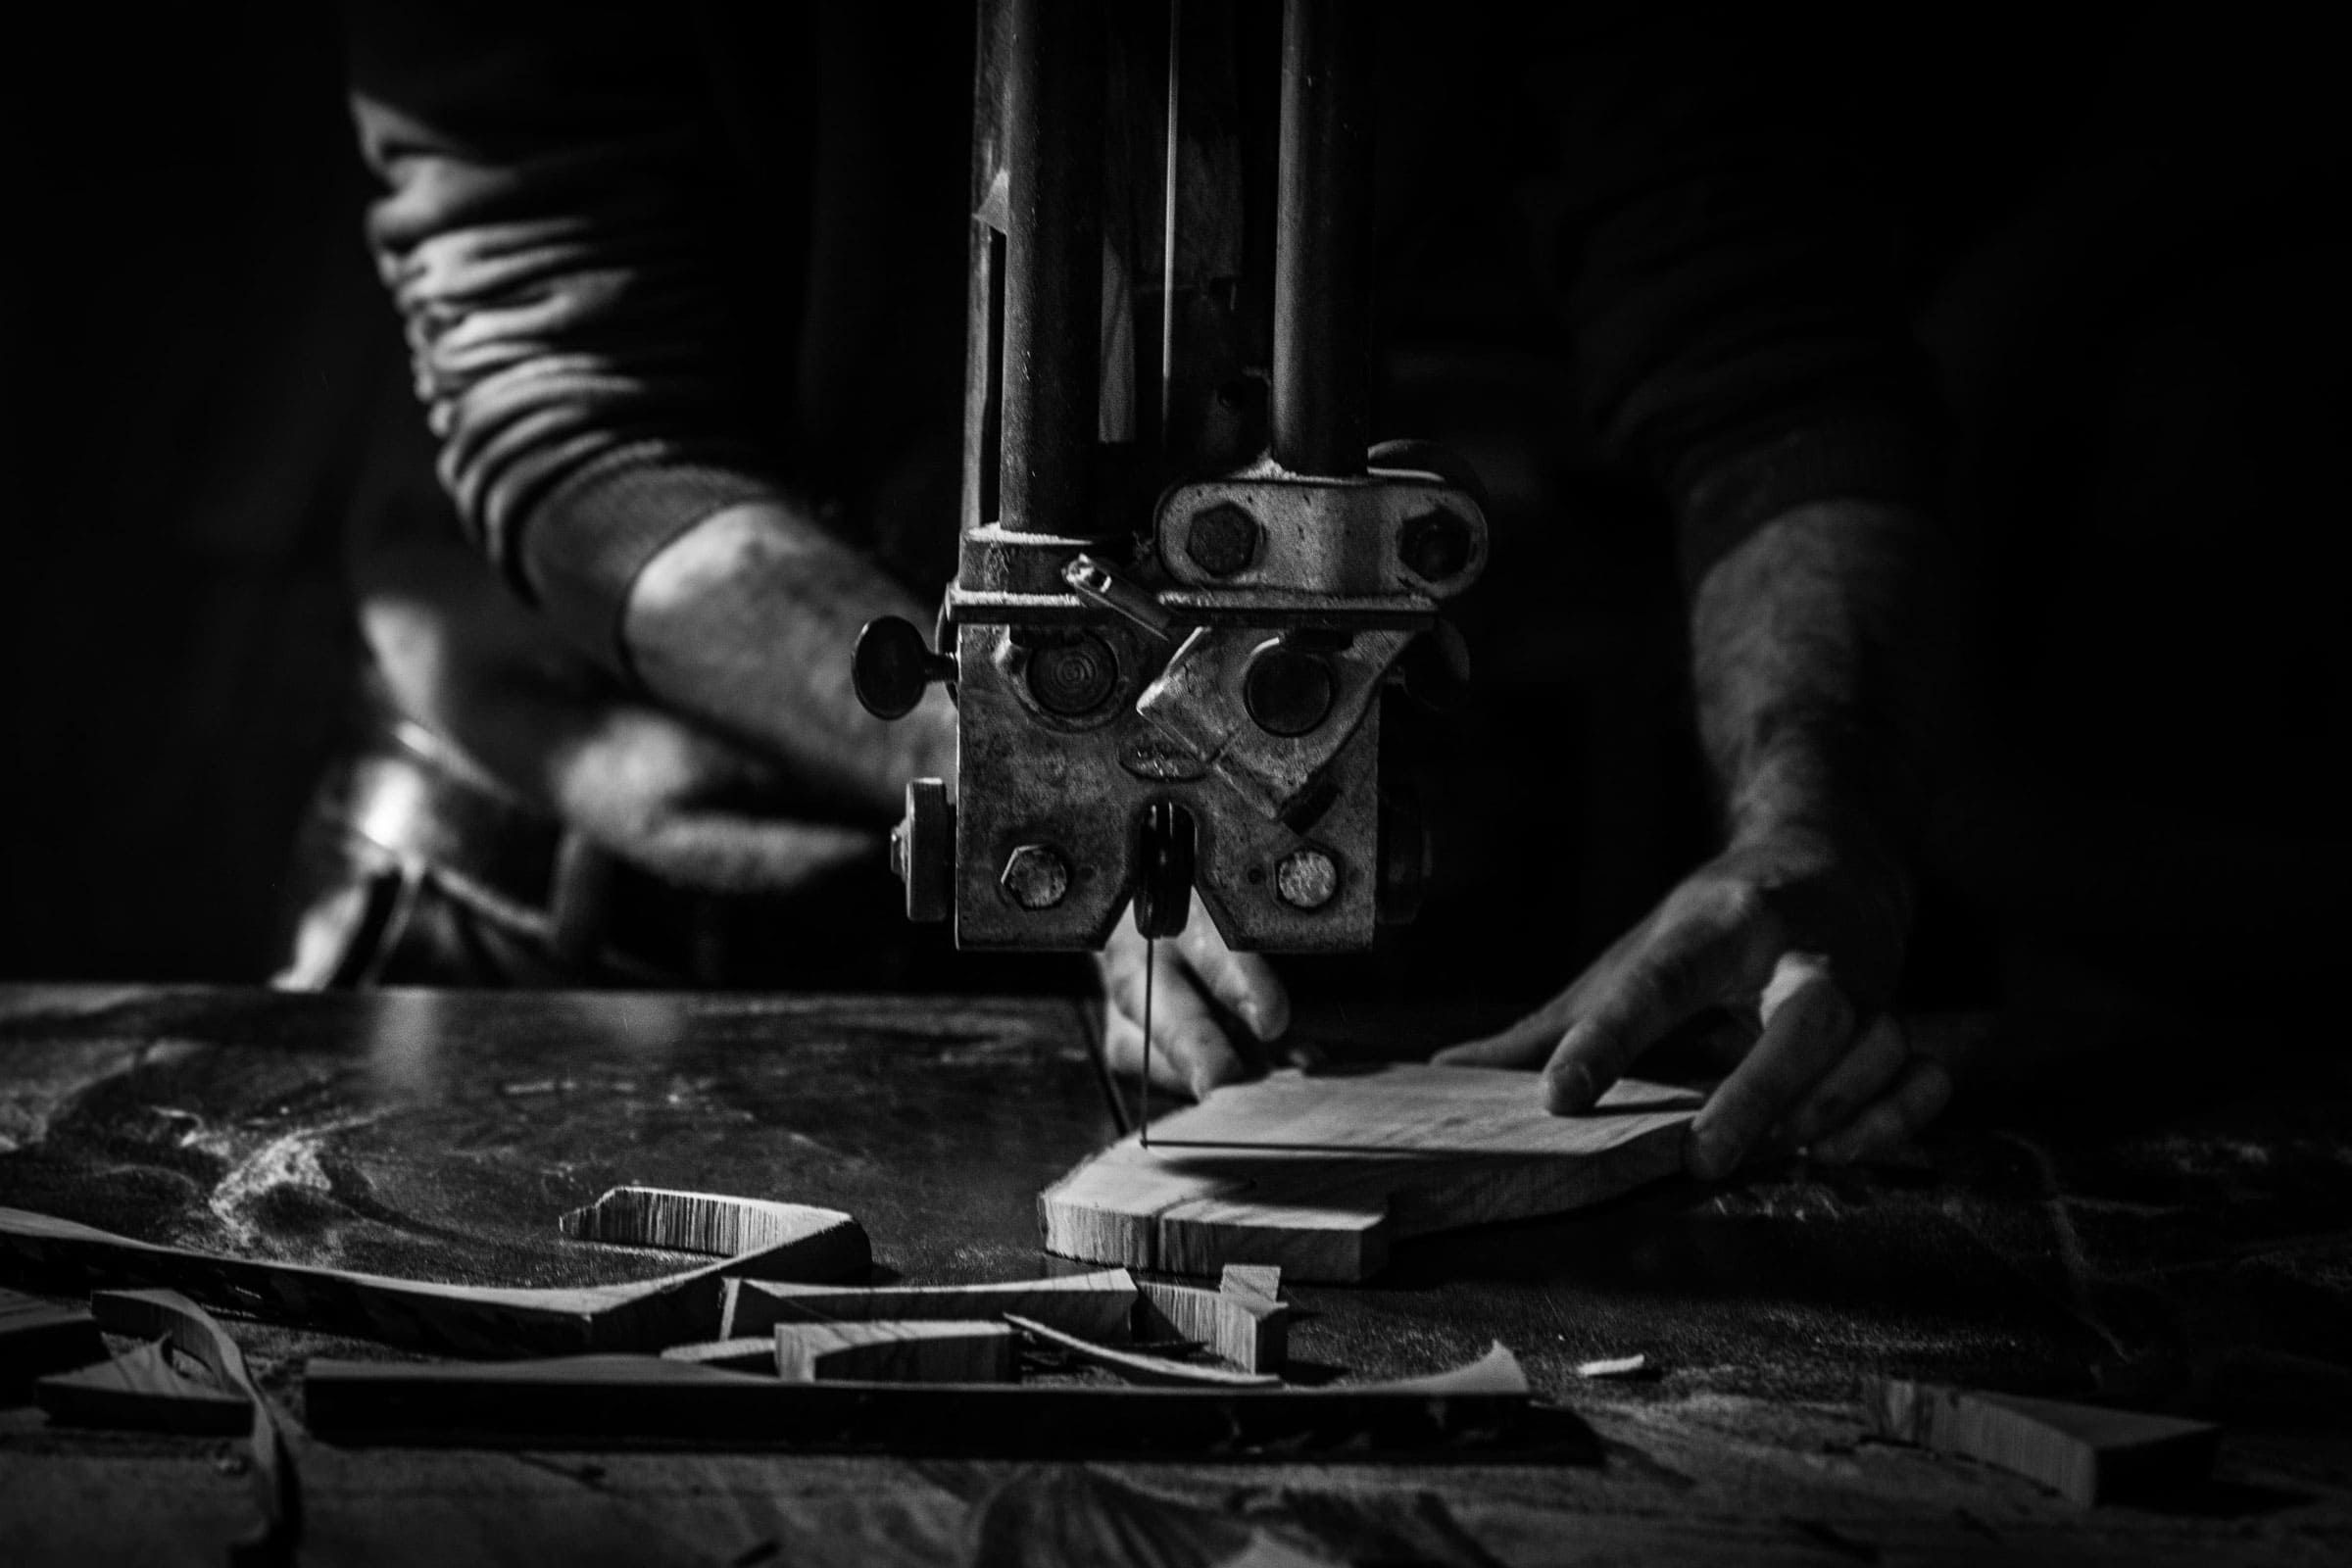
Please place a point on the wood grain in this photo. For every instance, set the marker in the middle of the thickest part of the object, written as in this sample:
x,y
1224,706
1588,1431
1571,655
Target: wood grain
x,y
171,1317
943,1351
142,1391
37,1338
422,1314
1320,1174
1250,1331
2086,1453
614,1402
1095,1305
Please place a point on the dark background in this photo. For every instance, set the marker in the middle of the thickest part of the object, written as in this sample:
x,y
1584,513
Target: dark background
x,y
2118,229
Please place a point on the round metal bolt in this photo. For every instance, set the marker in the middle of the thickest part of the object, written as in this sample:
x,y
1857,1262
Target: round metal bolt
x,y
1306,879
1288,691
1035,876
1076,677
1223,539
1434,545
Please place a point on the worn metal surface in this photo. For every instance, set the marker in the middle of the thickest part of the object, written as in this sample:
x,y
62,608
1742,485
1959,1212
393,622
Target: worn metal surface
x,y
2193,1249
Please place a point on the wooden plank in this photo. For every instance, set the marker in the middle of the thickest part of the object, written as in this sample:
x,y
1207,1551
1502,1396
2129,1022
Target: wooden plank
x,y
2086,1453
171,1317
142,1391
1320,1174
599,1403
941,1351
1252,1332
1095,1306
754,1352
1135,1368
422,1314
38,1337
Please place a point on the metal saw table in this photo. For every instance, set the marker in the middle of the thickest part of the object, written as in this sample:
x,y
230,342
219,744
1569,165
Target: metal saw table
x,y
2194,1254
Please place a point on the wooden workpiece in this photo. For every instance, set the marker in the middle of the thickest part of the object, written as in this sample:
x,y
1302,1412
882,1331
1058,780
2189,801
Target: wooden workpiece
x,y
943,1351
142,1391
452,1319
1320,1174
1095,1305
38,1337
2086,1453
610,1401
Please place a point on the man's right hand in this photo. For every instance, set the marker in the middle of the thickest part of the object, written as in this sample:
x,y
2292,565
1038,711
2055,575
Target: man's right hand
x,y
1196,977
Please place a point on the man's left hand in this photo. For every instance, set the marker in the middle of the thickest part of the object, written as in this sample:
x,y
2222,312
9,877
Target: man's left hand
x,y
1797,940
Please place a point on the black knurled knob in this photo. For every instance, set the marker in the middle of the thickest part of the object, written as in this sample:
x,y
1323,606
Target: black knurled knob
x,y
893,665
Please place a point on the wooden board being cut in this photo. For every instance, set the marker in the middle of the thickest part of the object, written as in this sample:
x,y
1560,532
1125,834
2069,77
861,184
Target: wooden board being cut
x,y
1319,1174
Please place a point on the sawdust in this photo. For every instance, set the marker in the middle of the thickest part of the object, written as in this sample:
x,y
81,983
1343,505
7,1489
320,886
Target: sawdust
x,y
46,1077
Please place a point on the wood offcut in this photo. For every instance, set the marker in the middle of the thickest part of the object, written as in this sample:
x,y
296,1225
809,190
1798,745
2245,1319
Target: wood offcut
x,y
141,1391
1139,1368
613,1402
2086,1453
172,1318
38,1337
1320,1174
819,1243
943,1351
1094,1305
1250,1331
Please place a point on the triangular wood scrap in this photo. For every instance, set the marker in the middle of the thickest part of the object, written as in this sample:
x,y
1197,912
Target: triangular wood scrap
x,y
2086,1453
1252,1332
38,1337
142,1391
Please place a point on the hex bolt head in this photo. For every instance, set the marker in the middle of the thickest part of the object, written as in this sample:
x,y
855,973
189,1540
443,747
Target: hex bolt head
x,y
1035,876
1434,545
1306,879
1223,539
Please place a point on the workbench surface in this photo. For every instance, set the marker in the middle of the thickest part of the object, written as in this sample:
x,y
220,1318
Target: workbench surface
x,y
2195,1254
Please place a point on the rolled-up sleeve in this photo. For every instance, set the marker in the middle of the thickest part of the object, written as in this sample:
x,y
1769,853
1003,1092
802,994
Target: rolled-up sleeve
x,y
545,235
1733,288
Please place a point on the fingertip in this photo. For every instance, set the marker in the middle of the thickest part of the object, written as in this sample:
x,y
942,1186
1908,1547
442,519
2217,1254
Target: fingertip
x,y
1569,1088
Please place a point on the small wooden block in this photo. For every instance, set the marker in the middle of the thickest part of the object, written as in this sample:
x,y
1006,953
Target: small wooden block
x,y
2086,1453
1094,1306
1320,1174
143,1392
37,1338
1252,1332
1261,1280
922,1352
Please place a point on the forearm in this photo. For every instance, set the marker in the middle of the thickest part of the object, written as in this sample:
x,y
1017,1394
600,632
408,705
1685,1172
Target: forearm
x,y
1814,649
747,621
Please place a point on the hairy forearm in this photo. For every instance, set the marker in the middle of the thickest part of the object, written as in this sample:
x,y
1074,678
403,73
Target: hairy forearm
x,y
747,621
1814,653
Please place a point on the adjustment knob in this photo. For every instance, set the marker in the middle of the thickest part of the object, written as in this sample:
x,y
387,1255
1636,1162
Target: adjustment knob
x,y
892,665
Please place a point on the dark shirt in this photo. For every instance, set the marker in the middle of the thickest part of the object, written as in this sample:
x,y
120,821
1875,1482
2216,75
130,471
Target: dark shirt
x,y
655,262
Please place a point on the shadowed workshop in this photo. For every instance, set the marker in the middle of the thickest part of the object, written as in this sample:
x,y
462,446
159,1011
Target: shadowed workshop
x,y
1219,782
